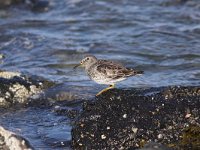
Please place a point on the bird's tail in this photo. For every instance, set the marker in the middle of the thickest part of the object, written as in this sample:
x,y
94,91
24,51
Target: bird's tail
x,y
131,72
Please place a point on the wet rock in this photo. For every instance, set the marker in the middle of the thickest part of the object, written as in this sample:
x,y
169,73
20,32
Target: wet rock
x,y
174,2
40,5
190,138
128,119
68,109
36,5
4,3
11,141
70,113
18,89
9,75
155,146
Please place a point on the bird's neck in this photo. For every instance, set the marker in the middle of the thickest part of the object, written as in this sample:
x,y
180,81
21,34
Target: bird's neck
x,y
89,66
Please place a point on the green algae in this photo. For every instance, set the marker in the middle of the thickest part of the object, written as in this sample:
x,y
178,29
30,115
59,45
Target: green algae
x,y
190,138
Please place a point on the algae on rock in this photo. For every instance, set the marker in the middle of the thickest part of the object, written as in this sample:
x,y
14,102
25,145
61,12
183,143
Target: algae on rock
x,y
18,89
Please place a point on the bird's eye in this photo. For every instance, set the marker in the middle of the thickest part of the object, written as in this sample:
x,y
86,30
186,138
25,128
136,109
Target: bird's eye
x,y
88,58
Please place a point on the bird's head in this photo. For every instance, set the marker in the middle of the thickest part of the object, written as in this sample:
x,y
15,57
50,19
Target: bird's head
x,y
87,61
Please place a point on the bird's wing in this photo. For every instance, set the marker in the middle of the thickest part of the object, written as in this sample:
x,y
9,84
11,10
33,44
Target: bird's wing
x,y
113,70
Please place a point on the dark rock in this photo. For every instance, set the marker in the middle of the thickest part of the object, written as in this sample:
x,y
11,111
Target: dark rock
x,y
128,119
69,112
36,5
70,109
4,3
40,5
175,2
155,146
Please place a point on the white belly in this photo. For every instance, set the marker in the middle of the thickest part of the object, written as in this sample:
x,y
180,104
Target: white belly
x,y
102,78
107,81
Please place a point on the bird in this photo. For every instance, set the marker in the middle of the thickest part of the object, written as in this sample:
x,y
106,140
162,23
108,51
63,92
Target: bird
x,y
106,72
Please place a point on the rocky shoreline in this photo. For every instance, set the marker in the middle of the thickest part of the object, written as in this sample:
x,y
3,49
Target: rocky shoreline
x,y
19,89
129,119
164,118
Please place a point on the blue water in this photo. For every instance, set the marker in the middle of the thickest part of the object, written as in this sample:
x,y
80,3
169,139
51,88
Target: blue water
x,y
43,128
159,37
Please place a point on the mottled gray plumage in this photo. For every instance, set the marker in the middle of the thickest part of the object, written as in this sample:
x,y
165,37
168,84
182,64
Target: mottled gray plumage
x,y
105,71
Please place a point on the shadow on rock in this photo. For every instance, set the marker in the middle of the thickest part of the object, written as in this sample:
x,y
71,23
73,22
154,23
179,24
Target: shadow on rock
x,y
129,119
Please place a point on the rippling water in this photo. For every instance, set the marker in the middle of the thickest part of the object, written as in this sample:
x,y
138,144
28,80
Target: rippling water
x,y
42,128
161,37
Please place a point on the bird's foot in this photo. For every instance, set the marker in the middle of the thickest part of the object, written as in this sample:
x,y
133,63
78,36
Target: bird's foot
x,y
106,89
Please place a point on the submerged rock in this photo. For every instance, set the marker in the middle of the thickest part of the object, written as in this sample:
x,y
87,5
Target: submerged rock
x,y
11,141
128,119
41,5
4,3
18,89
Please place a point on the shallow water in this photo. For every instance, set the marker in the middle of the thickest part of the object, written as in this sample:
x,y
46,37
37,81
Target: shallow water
x,y
42,128
159,37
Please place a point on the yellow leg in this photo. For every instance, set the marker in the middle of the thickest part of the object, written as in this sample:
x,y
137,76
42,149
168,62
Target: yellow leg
x,y
106,89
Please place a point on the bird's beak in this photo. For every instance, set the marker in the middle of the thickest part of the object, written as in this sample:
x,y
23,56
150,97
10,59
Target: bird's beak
x,y
77,65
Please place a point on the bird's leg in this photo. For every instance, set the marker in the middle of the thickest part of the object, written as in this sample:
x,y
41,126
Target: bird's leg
x,y
106,89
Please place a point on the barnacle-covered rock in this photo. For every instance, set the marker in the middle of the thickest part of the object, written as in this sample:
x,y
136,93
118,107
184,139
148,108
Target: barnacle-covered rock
x,y
130,119
18,89
11,141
